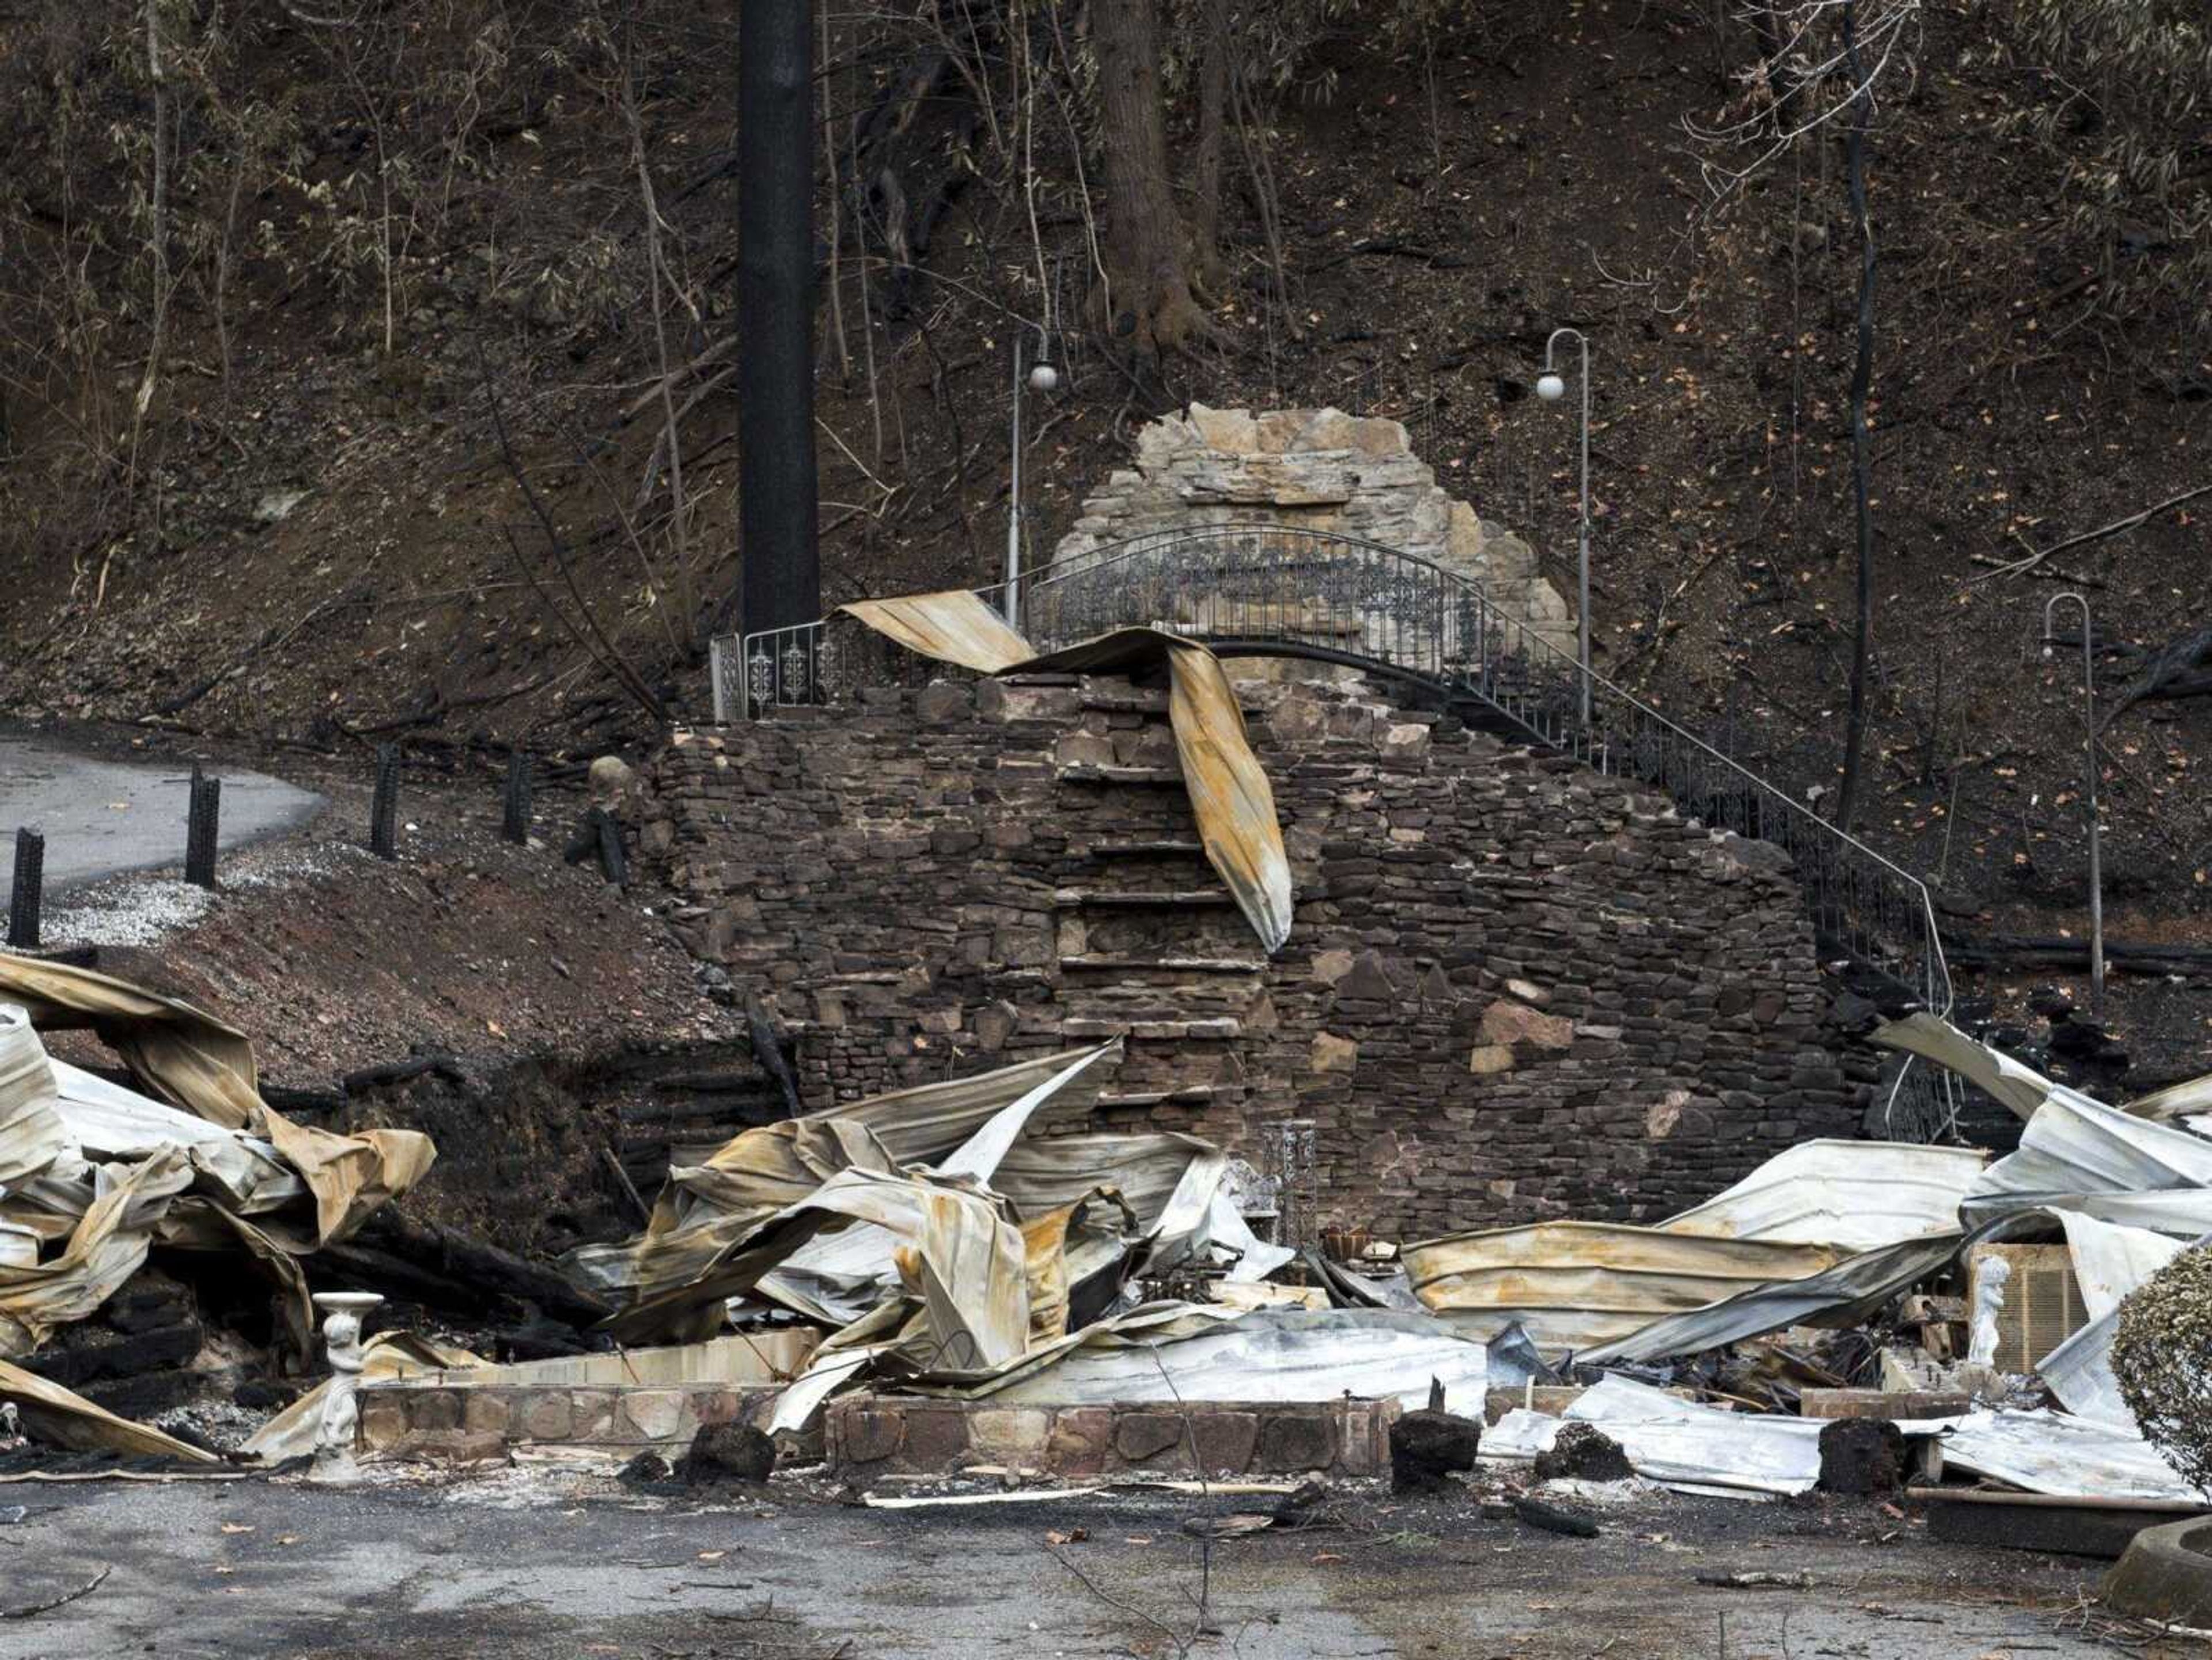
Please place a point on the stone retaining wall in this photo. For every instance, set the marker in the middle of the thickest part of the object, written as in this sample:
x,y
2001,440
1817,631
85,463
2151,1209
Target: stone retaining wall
x,y
414,1418
866,1436
1516,990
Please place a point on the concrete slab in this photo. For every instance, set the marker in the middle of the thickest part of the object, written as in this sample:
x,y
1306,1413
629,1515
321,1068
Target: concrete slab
x,y
102,817
526,1570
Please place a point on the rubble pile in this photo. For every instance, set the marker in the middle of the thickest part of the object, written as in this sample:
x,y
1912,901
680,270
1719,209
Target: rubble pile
x,y
964,1278
94,1175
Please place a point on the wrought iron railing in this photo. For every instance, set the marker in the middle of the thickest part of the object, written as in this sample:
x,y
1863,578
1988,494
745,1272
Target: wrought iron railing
x,y
1272,586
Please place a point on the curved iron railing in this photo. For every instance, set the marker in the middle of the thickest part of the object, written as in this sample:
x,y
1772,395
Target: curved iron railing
x,y
1256,586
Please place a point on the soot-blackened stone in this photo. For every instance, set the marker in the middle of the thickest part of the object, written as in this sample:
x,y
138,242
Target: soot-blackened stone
x,y
1428,1448
1862,1456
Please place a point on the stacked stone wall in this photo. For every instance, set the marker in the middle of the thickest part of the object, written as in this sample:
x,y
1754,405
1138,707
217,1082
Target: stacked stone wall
x,y
1516,990
1319,470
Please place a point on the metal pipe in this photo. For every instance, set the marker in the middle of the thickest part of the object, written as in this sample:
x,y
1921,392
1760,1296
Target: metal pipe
x,y
1582,537
1042,378
1014,501
2089,756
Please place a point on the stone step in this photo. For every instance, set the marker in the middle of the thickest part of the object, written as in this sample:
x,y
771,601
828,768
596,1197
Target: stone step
x,y
1194,1094
1162,847
1219,1029
1164,965
1091,772
1109,899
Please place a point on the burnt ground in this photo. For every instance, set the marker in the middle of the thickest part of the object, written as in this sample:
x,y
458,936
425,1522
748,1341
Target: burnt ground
x,y
529,1565
534,1005
1430,242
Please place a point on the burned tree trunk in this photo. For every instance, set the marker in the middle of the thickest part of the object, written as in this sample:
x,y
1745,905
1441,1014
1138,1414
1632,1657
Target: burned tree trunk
x,y
1862,447
780,583
1213,142
1149,305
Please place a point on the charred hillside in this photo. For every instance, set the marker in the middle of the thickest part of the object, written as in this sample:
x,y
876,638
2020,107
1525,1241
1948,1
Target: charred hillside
x,y
271,282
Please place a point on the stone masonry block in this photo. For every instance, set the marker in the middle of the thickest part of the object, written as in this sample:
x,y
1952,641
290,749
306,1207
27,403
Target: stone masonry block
x,y
1080,1442
487,1412
1298,1441
1009,1435
936,1436
1140,1436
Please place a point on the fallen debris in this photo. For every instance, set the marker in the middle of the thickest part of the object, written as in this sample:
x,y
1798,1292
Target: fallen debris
x,y
1758,1579
1551,1519
28,1609
1862,1456
63,1418
1008,1496
1431,1446
1230,794
727,1452
1583,1452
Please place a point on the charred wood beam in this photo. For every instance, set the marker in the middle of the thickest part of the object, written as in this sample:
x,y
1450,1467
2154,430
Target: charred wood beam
x,y
2003,951
401,1072
442,1265
767,1042
2182,669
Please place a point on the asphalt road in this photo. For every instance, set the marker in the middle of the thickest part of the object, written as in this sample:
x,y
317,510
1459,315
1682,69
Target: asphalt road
x,y
102,817
258,1568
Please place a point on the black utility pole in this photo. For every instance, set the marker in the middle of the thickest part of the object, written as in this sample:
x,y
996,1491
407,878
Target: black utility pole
x,y
781,584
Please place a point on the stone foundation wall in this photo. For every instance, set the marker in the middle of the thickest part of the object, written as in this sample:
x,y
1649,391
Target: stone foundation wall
x,y
411,1418
865,1437
1516,990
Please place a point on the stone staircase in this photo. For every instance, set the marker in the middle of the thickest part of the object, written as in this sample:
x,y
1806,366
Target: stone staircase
x,y
1150,947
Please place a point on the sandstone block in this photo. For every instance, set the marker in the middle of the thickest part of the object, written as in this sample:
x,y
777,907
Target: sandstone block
x,y
383,1419
1140,1436
1009,1435
1525,1030
1367,981
1334,1054
543,1415
1302,1441
1080,1440
1233,431
486,1412
649,1414
1405,743
869,1437
936,1436
943,701
592,1415
1331,966
995,1024
1226,1440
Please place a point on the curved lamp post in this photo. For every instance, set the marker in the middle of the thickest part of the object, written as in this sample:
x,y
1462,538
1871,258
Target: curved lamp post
x,y
2089,724
1551,388
1042,377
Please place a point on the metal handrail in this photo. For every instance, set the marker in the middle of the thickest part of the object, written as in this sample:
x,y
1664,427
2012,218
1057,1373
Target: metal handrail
x,y
1248,583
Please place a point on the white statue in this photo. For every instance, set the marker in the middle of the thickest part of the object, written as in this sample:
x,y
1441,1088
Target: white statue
x,y
1990,1281
341,1419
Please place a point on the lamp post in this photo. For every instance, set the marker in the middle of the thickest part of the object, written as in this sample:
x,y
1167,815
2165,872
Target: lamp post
x,y
1042,378
1551,388
2089,725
